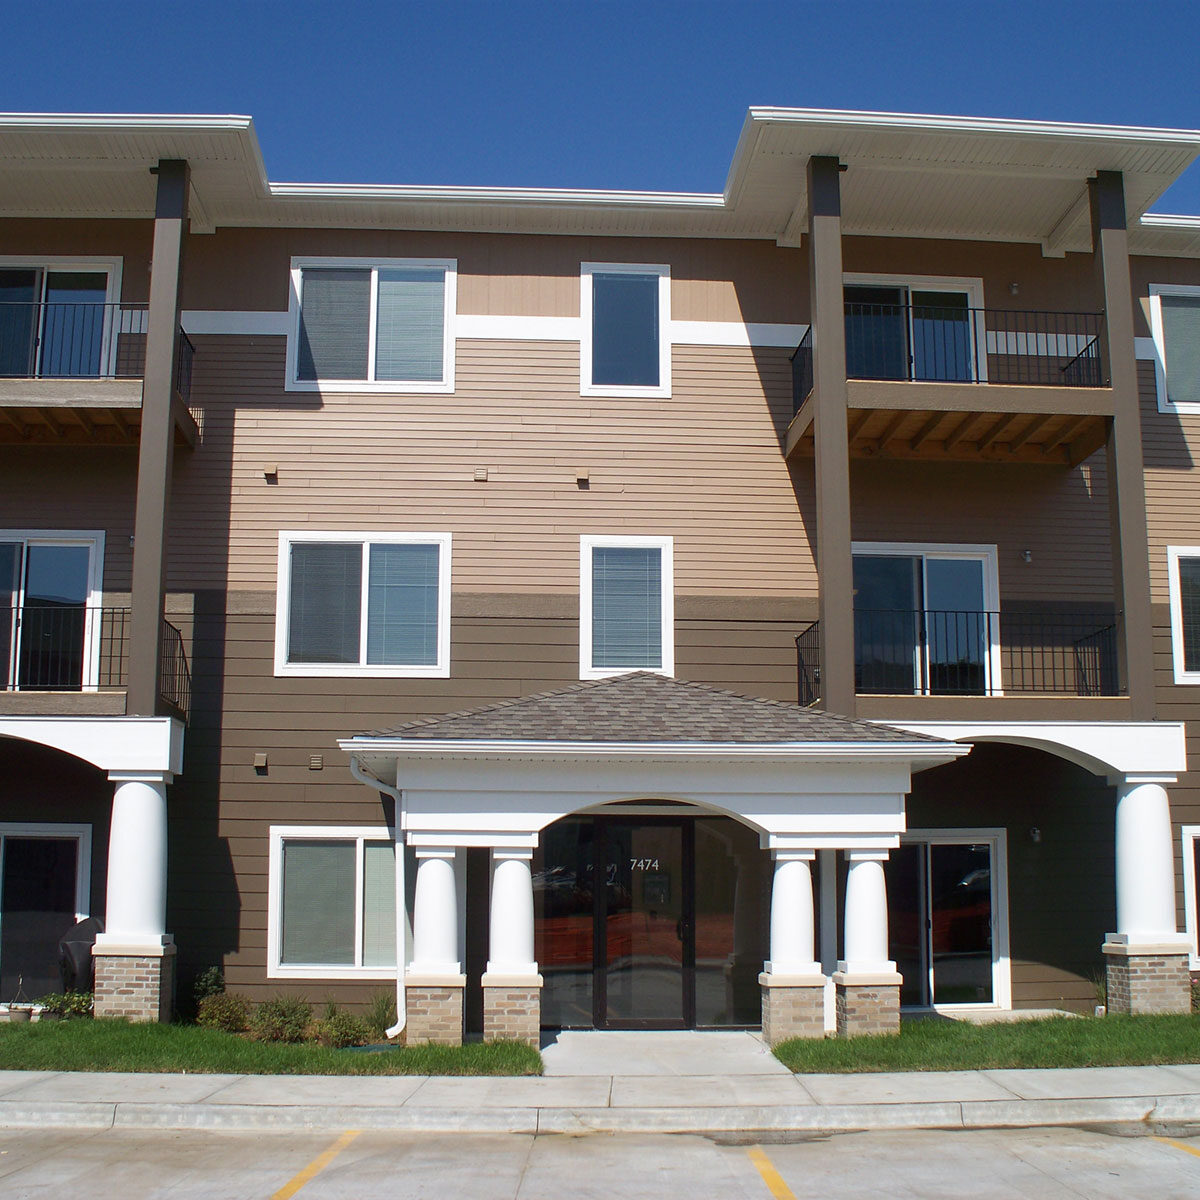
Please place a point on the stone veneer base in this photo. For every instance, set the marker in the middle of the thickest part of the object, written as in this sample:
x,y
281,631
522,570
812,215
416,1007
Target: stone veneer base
x,y
1147,983
435,1014
868,1007
792,1009
139,987
512,1011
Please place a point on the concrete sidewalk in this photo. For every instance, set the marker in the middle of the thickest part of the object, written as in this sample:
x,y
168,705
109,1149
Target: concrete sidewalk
x,y
643,1083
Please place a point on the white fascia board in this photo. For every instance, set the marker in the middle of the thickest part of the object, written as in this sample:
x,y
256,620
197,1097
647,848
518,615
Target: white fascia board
x,y
536,197
1170,221
122,745
1108,748
121,121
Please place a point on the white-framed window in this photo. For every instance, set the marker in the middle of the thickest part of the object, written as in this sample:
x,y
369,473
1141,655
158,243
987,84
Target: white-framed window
x,y
925,618
371,325
60,316
331,896
948,917
1190,835
1183,587
918,327
363,604
1175,329
51,622
625,342
626,605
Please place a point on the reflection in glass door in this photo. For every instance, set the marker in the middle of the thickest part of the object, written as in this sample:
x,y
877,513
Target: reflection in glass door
x,y
644,980
941,922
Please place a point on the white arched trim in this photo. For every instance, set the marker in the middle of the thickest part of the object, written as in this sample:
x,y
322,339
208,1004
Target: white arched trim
x,y
1112,749
151,745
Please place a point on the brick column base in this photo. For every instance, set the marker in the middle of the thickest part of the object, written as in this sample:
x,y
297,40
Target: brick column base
x,y
1147,979
867,1004
512,1008
793,1006
135,983
435,1010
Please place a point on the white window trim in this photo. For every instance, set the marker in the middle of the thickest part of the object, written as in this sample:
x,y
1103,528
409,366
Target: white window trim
x,y
589,542
1174,554
970,284
324,833
81,835
439,670
1189,836
586,271
443,386
987,553
997,839
93,621
1157,337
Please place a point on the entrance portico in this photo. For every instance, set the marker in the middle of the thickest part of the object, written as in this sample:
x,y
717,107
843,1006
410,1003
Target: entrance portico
x,y
803,781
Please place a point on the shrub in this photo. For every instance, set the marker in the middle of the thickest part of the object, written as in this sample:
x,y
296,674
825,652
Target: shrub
x,y
67,1004
343,1029
210,982
381,1013
284,1019
226,1011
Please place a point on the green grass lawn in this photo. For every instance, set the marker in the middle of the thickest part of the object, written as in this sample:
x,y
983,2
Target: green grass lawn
x,y
939,1045
111,1045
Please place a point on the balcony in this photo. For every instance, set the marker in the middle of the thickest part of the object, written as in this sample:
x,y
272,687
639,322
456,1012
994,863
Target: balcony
x,y
969,654
71,374
963,384
69,659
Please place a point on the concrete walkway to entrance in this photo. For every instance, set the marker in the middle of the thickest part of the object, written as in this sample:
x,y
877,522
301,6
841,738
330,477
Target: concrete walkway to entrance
x,y
677,1082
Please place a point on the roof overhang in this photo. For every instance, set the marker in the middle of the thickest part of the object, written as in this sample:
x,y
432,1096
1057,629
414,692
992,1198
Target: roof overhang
x,y
907,176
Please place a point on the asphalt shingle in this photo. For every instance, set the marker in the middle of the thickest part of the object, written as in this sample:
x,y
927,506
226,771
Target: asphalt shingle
x,y
644,707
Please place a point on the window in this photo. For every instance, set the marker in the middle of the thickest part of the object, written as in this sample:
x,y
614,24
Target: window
x,y
625,348
1183,583
372,325
626,606
51,622
59,317
918,329
363,604
923,621
332,902
1175,326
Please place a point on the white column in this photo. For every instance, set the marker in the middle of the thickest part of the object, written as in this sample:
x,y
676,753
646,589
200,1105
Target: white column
x,y
435,914
136,902
1145,861
510,935
792,939
865,935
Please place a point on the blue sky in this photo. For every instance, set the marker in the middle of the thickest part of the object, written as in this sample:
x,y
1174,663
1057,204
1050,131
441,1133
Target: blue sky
x,y
592,93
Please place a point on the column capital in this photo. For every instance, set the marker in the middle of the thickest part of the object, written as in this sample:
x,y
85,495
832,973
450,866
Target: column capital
x,y
507,853
853,856
789,854
422,852
1137,778
160,777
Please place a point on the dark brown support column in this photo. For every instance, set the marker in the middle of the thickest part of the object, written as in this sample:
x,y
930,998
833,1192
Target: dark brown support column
x,y
834,561
1126,478
157,439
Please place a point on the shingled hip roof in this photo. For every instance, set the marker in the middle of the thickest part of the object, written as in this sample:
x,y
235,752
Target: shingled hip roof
x,y
642,707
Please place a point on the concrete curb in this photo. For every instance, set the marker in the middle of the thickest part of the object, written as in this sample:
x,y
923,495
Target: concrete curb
x,y
975,1114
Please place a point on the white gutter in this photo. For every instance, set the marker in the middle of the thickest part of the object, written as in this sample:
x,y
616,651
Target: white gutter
x,y
397,795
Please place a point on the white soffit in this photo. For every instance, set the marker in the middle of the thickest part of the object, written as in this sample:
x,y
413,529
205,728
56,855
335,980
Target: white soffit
x,y
911,176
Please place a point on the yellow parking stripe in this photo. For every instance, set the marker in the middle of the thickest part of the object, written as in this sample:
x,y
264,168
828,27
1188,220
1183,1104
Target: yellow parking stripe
x,y
770,1176
1178,1146
315,1167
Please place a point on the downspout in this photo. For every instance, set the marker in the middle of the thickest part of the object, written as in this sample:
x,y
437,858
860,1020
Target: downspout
x,y
397,795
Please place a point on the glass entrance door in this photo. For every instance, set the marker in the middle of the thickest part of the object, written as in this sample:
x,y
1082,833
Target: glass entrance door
x,y
941,922
646,947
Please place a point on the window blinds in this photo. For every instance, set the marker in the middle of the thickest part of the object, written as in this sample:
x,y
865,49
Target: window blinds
x,y
379,905
1181,335
325,602
402,604
318,902
410,323
335,313
626,606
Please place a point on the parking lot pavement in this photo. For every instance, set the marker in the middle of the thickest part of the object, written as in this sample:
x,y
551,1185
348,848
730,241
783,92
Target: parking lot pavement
x,y
1040,1164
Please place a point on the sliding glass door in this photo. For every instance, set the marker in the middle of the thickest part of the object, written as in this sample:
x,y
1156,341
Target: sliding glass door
x,y
897,332
54,323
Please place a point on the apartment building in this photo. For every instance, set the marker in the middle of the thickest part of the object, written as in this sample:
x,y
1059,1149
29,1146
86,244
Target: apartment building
x,y
603,609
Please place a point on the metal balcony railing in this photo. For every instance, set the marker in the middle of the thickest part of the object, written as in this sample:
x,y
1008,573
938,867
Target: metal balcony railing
x,y
973,345
927,653
80,648
81,341
802,371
